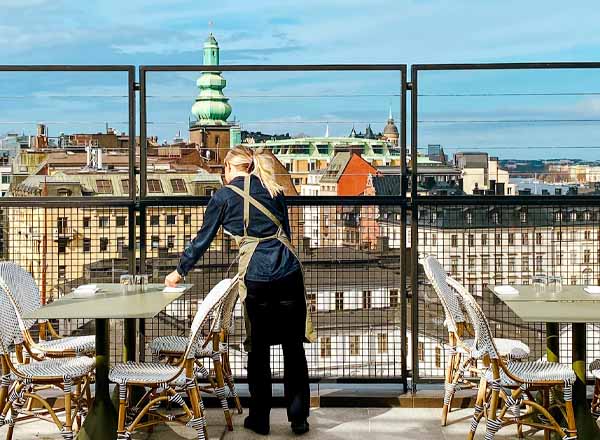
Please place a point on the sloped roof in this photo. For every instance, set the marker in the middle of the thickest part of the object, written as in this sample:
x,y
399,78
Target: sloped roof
x,y
336,167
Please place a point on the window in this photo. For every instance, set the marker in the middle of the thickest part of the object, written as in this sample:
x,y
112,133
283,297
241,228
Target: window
x,y
394,298
558,235
5,179
354,345
104,222
382,343
495,217
471,240
434,239
104,186
154,220
485,264
469,218
511,265
178,185
558,216
453,265
559,258
523,216
587,235
62,224
171,241
62,245
438,357
366,299
525,238
472,263
326,346
86,222
121,244
511,238
586,256
171,219
138,220
87,244
187,219
525,263
62,272
538,238
103,244
421,351
64,192
484,241
539,262
339,301
454,240
121,221
498,240
154,186
155,241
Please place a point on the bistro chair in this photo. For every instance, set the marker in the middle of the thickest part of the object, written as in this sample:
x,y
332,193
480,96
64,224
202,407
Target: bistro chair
x,y
172,348
461,342
70,374
26,297
507,385
595,371
164,381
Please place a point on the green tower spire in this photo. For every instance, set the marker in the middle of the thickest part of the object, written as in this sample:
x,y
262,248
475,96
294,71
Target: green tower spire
x,y
211,106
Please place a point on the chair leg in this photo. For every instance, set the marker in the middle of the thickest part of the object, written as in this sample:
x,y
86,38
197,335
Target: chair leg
x,y
478,408
121,433
571,426
230,383
449,387
197,422
220,389
67,430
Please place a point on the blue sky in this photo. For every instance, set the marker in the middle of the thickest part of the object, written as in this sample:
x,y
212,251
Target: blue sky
x,y
282,32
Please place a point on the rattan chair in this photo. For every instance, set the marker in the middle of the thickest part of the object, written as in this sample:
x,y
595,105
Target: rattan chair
x,y
460,335
172,348
507,385
69,374
26,296
164,381
595,371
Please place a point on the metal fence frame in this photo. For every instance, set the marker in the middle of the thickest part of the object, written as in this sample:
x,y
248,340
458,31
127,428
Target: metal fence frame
x,y
417,200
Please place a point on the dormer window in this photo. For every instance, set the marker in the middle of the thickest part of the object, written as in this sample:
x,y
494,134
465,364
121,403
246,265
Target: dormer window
x,y
154,186
178,185
558,216
469,217
64,192
104,186
523,216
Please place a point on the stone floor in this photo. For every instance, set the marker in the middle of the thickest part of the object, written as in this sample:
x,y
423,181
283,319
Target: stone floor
x,y
326,424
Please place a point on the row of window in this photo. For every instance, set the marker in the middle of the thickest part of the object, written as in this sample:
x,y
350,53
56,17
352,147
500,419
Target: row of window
x,y
105,186
354,345
103,243
559,216
62,223
510,238
366,299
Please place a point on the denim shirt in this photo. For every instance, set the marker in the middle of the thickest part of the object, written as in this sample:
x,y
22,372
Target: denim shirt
x,y
272,260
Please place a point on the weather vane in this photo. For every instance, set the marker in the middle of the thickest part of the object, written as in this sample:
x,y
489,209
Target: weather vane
x,y
211,24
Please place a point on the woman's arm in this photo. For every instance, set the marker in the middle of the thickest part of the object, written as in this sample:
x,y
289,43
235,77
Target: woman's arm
x,y
213,218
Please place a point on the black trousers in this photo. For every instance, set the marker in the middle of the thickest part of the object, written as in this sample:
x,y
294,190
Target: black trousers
x,y
277,314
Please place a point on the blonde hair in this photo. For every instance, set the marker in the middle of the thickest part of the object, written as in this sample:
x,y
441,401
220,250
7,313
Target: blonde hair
x,y
258,162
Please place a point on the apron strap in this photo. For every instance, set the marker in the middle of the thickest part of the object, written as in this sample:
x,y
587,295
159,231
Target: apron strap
x,y
249,200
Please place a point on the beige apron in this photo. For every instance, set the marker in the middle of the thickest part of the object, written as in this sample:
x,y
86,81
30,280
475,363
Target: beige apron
x,y
247,245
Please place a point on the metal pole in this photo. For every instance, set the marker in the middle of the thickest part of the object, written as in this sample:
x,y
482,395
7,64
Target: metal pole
x,y
414,232
404,251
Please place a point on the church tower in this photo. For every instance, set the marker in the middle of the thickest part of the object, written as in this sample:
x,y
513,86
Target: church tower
x,y
210,130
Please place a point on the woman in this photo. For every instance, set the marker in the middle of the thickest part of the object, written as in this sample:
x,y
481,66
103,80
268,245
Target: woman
x,y
252,208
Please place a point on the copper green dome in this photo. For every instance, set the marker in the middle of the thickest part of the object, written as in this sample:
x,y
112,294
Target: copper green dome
x,y
211,106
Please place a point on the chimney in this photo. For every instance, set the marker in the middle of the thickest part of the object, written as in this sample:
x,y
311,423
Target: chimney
x,y
383,244
99,153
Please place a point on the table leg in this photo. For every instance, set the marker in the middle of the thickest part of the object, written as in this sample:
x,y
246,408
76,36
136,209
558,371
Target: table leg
x,y
586,426
552,342
129,342
101,422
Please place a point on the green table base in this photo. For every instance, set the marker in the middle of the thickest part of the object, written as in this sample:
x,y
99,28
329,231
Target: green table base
x,y
101,421
586,425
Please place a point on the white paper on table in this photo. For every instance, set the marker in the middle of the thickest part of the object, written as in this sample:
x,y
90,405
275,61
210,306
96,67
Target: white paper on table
x,y
173,289
506,290
592,290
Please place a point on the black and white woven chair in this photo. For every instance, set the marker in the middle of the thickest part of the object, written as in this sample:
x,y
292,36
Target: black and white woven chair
x,y
461,344
26,296
172,348
595,371
69,374
164,381
506,386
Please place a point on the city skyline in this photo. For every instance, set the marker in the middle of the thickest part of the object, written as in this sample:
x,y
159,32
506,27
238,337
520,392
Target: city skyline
x,y
541,124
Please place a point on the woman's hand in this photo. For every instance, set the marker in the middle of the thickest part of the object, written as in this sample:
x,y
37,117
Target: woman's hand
x,y
173,279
